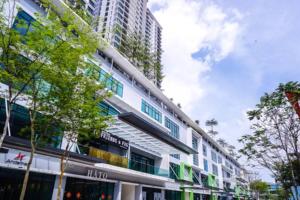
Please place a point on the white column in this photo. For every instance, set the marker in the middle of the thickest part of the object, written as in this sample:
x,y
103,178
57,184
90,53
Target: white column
x,y
163,194
55,189
139,192
118,191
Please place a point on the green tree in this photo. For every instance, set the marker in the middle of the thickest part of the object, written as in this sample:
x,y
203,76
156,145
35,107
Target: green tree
x,y
212,123
222,142
259,187
284,174
276,129
55,52
17,70
137,50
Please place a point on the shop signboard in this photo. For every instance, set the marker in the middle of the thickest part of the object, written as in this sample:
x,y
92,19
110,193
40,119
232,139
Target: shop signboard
x,y
84,171
114,140
19,159
93,173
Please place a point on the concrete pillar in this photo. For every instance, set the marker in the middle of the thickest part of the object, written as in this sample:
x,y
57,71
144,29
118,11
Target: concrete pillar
x,y
163,194
138,192
128,192
55,189
118,191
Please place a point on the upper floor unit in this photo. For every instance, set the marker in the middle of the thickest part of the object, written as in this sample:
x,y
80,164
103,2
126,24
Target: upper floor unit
x,y
134,92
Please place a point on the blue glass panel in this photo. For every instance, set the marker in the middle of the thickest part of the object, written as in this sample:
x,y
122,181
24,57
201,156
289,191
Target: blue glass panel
x,y
107,109
23,22
174,128
205,165
151,111
111,83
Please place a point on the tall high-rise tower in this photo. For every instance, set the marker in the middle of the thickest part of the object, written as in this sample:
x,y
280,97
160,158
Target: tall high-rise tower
x,y
119,18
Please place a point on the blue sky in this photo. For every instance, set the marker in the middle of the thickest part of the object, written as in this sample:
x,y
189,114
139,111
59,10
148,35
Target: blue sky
x,y
221,56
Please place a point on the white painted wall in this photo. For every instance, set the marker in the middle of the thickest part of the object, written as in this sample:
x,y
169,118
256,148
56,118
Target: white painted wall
x,y
128,192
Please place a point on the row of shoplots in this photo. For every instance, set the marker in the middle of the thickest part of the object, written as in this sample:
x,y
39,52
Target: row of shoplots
x,y
93,178
129,166
151,151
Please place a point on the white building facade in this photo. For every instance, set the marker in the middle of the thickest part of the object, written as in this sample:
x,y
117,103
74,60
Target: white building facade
x,y
153,150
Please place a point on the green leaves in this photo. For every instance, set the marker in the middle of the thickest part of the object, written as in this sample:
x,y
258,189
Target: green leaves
x,y
275,131
47,62
136,50
259,186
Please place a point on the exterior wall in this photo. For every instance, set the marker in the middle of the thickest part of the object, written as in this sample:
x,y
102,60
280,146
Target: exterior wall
x,y
129,16
133,96
128,192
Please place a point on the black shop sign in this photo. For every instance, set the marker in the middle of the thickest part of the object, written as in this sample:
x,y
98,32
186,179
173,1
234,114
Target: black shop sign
x,y
114,140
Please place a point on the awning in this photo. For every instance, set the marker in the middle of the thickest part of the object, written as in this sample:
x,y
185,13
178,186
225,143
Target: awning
x,y
147,129
113,174
196,189
129,174
140,139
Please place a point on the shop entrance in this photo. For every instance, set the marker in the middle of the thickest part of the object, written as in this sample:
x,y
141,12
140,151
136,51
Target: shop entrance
x,y
152,194
39,185
87,189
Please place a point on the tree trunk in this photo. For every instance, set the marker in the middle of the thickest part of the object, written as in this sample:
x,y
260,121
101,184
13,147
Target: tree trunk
x,y
6,124
32,141
26,177
62,170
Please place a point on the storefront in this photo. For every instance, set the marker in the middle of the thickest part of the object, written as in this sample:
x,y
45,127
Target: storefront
x,y
87,189
40,186
152,194
172,195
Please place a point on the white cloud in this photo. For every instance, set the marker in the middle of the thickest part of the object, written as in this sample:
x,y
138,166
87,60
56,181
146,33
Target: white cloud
x,y
188,26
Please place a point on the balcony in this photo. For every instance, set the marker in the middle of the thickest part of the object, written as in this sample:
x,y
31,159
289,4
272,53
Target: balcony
x,y
110,158
116,160
226,168
149,169
228,179
241,179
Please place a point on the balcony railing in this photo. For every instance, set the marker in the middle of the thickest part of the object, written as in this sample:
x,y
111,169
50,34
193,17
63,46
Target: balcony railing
x,y
146,168
111,158
120,161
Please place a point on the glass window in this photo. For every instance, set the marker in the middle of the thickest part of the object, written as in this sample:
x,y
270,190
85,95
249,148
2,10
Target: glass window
x,y
196,177
215,169
141,163
39,185
174,171
106,109
111,83
195,142
173,127
195,159
88,189
205,164
172,195
20,125
204,149
237,171
151,111
23,22
177,156
214,156
219,159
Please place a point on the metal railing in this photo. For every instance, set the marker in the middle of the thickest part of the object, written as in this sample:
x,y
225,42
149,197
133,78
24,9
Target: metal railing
x,y
146,168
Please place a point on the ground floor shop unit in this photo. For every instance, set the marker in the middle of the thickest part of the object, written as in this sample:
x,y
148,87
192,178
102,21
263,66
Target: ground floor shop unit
x,y
83,180
44,186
